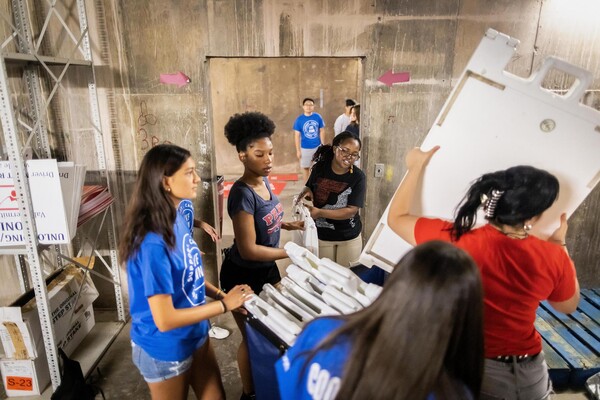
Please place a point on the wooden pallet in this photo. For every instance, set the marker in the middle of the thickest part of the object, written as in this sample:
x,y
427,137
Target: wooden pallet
x,y
572,342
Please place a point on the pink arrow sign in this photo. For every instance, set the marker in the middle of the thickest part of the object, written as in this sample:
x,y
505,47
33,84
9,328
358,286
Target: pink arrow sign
x,y
389,78
180,79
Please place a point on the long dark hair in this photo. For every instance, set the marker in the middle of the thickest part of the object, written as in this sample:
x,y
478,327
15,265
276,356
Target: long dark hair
x,y
243,129
150,208
527,192
423,334
356,109
324,154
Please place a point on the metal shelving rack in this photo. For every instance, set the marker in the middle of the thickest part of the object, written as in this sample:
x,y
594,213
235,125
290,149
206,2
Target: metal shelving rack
x,y
20,50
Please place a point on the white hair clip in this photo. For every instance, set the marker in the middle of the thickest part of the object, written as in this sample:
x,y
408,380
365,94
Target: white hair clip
x,y
489,204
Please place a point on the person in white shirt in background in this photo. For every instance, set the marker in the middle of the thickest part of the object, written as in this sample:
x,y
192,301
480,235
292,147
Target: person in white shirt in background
x,y
343,120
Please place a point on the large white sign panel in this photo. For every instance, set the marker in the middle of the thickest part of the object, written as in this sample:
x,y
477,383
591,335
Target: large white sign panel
x,y
494,120
48,204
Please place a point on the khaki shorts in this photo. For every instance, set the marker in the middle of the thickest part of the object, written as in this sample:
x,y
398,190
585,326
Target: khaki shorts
x,y
345,252
306,157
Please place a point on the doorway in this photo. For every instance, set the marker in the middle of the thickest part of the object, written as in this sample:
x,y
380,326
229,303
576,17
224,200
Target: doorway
x,y
276,87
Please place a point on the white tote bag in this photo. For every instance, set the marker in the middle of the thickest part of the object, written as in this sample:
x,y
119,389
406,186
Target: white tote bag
x,y
308,237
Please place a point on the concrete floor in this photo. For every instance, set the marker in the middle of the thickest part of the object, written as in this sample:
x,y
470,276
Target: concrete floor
x,y
119,378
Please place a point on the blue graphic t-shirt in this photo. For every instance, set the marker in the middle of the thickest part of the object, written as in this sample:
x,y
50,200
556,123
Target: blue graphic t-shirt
x,y
157,269
322,377
267,214
309,128
186,209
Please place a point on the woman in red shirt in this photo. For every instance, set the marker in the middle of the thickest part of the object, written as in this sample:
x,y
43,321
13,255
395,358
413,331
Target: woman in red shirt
x,y
518,269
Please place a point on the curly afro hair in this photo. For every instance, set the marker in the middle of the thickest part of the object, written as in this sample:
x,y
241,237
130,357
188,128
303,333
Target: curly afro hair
x,y
243,129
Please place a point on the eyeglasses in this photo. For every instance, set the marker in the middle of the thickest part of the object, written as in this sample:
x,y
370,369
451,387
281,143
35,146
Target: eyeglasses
x,y
346,153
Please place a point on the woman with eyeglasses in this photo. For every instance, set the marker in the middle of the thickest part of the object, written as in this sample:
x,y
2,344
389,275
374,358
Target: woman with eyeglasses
x,y
337,189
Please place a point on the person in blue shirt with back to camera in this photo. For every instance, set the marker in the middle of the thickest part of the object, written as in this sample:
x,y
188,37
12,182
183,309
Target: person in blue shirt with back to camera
x,y
169,313
421,339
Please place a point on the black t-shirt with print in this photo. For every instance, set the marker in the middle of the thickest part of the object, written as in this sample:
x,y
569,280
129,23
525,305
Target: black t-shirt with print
x,y
332,191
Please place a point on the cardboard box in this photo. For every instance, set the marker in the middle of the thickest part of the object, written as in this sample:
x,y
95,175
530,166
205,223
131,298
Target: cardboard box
x,y
30,377
25,377
20,330
78,331
25,367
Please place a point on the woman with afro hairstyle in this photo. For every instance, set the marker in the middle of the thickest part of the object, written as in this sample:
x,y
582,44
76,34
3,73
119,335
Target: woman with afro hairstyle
x,y
518,269
257,217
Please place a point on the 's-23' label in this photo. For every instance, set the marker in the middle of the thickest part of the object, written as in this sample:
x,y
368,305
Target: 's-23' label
x,y
19,383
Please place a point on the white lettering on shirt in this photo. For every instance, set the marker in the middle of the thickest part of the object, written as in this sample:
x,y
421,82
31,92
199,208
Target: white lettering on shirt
x,y
320,384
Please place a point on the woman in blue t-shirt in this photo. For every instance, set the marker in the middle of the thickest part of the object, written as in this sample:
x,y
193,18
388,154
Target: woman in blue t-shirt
x,y
421,339
337,189
169,314
257,217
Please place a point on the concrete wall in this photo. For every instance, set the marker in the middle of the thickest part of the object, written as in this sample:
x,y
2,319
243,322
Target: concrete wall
x,y
136,41
433,40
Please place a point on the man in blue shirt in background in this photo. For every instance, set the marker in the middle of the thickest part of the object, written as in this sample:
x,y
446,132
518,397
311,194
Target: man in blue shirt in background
x,y
309,134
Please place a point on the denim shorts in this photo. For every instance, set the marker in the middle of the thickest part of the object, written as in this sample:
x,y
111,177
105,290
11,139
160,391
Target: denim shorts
x,y
154,370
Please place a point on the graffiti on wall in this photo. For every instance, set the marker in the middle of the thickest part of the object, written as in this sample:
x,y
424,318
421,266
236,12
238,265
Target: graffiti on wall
x,y
145,123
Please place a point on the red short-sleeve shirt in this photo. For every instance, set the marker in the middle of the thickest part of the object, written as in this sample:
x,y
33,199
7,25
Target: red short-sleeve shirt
x,y
516,276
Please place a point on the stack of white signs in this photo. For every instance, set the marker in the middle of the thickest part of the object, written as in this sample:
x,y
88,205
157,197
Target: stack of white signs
x,y
312,288
55,191
72,177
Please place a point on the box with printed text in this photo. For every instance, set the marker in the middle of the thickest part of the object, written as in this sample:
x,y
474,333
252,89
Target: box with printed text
x,y
24,367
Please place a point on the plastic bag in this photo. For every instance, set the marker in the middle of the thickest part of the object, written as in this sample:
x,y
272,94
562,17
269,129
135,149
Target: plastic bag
x,y
308,237
593,386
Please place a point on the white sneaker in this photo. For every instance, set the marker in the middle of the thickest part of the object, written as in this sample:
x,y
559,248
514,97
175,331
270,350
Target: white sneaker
x,y
218,333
